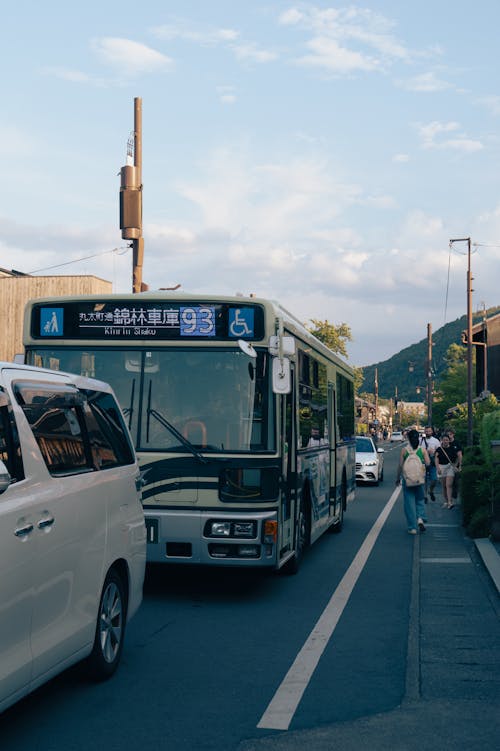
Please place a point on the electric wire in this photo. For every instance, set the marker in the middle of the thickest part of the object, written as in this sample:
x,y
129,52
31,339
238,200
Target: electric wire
x,y
123,248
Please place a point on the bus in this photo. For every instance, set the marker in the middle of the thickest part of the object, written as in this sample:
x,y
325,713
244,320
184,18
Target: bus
x,y
243,421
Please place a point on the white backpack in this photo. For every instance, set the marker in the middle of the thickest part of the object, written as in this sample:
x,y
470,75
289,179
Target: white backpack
x,y
413,469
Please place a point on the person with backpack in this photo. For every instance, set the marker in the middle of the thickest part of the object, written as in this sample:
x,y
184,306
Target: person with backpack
x,y
431,443
413,461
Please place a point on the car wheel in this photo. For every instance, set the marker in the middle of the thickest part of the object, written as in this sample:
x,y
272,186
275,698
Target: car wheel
x,y
110,629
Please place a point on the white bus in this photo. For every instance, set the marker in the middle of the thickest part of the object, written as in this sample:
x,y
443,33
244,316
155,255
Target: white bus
x,y
242,420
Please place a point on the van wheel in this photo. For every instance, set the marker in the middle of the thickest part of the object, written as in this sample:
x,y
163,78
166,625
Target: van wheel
x,y
110,629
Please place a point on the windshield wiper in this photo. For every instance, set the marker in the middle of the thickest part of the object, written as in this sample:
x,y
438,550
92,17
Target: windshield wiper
x,y
128,411
172,429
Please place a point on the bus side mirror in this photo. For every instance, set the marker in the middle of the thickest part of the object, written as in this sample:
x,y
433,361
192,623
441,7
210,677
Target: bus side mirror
x,y
282,382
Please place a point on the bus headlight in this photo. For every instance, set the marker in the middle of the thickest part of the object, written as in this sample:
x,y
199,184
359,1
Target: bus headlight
x,y
220,529
235,529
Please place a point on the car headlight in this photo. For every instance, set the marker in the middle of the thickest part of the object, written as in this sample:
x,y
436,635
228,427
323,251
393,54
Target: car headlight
x,y
372,463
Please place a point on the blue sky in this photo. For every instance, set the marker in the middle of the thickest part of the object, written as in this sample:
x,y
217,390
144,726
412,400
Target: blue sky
x,y
322,154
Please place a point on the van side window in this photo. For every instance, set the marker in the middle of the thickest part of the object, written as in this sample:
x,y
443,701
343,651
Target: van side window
x,y
10,449
54,413
107,433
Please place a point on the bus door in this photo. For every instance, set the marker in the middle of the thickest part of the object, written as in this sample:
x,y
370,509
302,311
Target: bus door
x,y
288,439
333,428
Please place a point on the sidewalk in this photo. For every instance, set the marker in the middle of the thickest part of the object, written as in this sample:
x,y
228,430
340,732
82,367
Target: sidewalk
x,y
452,694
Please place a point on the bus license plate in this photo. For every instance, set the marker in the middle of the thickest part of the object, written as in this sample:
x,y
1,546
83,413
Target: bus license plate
x,y
152,532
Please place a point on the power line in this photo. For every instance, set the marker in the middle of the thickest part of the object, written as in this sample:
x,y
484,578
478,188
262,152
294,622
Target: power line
x,y
123,248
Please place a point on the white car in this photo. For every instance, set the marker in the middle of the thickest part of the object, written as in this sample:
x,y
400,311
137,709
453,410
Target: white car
x,y
369,461
72,532
396,436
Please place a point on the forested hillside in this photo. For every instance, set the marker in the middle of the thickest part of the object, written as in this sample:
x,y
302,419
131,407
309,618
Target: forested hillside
x,y
395,373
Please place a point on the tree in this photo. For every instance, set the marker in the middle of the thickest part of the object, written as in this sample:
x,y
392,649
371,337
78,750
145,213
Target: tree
x,y
336,338
453,385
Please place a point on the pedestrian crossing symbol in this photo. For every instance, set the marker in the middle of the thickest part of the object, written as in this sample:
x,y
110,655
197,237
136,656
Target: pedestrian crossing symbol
x,y
51,321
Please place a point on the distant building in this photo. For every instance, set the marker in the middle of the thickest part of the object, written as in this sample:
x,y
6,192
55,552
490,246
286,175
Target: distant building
x,y
486,339
17,288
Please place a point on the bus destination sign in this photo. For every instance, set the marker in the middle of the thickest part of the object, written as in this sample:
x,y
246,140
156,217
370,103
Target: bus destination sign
x,y
124,320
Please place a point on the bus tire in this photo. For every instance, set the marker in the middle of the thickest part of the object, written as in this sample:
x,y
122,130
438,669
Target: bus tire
x,y
336,527
303,535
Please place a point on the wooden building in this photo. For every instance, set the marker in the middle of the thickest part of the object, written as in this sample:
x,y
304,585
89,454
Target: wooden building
x,y
17,288
486,341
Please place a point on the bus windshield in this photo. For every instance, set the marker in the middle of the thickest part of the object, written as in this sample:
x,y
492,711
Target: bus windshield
x,y
215,399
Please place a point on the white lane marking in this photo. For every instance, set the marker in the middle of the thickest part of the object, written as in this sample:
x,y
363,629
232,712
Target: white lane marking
x,y
445,560
285,701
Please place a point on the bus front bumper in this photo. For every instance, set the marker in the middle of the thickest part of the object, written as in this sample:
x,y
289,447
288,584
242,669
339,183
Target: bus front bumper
x,y
211,537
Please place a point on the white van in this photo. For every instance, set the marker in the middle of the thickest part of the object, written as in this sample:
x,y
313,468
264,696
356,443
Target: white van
x,y
72,532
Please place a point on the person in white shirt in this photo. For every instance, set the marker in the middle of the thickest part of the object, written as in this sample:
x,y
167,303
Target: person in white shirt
x,y
431,443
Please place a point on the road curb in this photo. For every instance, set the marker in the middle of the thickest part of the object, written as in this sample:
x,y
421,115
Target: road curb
x,y
490,558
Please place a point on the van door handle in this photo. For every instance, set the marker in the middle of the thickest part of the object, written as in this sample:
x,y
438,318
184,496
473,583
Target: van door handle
x,y
23,531
44,523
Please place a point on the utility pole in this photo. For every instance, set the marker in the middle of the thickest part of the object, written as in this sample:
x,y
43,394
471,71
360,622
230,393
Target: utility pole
x,y
469,337
429,374
131,198
376,396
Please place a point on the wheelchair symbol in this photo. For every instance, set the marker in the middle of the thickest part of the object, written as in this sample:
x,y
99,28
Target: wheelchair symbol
x,y
239,325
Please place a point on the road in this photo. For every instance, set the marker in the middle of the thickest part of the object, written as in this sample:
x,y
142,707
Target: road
x,y
208,651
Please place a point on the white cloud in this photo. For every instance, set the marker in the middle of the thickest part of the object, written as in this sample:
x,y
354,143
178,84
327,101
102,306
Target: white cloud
x,y
16,143
401,158
207,37
252,52
492,103
346,39
75,76
327,53
226,94
425,83
132,58
431,133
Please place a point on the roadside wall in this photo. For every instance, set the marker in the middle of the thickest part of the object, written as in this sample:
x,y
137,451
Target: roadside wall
x,y
16,291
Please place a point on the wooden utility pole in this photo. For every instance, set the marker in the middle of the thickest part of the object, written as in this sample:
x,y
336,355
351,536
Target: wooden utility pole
x,y
469,338
131,198
429,374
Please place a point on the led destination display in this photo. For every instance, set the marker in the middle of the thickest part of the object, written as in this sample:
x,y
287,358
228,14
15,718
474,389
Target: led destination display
x,y
157,320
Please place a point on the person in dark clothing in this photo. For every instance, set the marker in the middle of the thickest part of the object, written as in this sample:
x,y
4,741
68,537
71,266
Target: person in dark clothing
x,y
446,459
454,444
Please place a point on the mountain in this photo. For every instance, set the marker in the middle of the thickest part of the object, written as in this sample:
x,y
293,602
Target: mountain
x,y
394,373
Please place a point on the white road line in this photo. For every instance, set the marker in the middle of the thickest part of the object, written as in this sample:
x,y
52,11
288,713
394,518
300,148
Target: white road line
x,y
285,701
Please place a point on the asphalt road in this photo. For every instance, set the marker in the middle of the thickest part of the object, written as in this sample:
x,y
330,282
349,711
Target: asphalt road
x,y
209,649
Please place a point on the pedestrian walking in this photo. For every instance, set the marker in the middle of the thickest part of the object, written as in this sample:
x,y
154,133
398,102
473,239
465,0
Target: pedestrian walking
x,y
413,461
454,445
446,458
431,443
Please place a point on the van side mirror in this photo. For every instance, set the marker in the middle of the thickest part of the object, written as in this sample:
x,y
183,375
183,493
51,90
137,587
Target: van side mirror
x,y
5,478
282,381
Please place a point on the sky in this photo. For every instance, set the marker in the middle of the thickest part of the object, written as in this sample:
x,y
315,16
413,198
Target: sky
x,y
321,154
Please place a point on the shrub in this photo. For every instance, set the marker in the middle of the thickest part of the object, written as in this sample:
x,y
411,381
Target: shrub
x,y
474,489
479,525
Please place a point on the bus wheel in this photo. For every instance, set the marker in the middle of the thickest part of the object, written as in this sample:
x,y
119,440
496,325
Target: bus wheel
x,y
337,526
303,537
